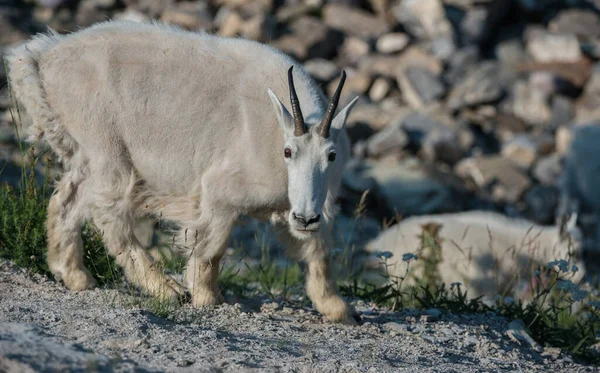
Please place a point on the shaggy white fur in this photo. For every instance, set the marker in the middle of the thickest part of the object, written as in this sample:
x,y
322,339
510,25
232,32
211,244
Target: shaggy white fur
x,y
487,252
152,120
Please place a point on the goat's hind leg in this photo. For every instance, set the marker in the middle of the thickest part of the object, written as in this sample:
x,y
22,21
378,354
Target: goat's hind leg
x,y
113,214
65,247
202,269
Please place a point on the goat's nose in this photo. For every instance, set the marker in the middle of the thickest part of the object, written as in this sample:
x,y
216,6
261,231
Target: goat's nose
x,y
314,219
307,221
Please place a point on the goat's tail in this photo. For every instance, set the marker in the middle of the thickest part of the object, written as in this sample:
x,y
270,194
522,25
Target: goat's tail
x,y
27,88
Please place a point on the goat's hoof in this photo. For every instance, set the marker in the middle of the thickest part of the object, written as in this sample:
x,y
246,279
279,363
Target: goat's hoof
x,y
78,280
338,311
206,299
172,291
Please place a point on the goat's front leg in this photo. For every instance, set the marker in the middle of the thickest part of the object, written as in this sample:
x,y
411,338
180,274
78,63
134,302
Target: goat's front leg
x,y
322,290
320,285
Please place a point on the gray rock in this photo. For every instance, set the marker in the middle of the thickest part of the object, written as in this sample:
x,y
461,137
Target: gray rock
x,y
546,46
354,21
523,150
480,87
392,42
321,69
530,104
405,187
480,20
516,331
380,89
548,169
27,349
541,202
563,111
309,38
390,140
503,180
579,22
463,62
191,16
419,86
353,50
426,19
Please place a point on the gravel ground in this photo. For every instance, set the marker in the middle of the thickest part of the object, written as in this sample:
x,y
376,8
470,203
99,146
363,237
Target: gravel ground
x,y
44,327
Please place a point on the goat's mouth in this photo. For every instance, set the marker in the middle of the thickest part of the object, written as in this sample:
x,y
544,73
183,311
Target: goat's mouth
x,y
304,232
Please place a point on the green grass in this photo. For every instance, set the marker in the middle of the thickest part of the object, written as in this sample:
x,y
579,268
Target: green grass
x,y
548,317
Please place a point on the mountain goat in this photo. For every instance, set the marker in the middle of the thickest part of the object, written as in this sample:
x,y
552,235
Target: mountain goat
x,y
152,120
485,251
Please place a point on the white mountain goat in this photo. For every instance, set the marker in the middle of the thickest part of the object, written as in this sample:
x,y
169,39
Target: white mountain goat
x,y
152,120
487,252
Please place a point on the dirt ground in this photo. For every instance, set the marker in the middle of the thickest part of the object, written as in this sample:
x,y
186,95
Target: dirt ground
x,y
45,328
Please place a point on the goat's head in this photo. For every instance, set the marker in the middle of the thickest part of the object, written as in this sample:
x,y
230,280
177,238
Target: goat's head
x,y
310,156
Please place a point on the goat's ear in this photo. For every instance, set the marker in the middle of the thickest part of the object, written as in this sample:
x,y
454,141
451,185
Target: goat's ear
x,y
283,115
568,226
340,119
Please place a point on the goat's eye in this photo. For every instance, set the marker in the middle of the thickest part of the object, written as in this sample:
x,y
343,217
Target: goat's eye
x,y
331,156
287,153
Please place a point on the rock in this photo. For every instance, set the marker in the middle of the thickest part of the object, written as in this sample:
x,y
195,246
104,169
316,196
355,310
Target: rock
x,y
404,187
395,327
356,83
506,181
392,42
417,57
353,50
579,22
377,64
562,111
321,69
463,62
480,20
152,8
426,19
439,139
480,87
442,145
511,55
131,15
229,22
530,104
516,331
541,202
546,46
549,169
25,348
354,21
390,140
561,77
419,86
432,314
260,27
373,116
91,11
191,16
309,38
588,106
523,150
380,89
